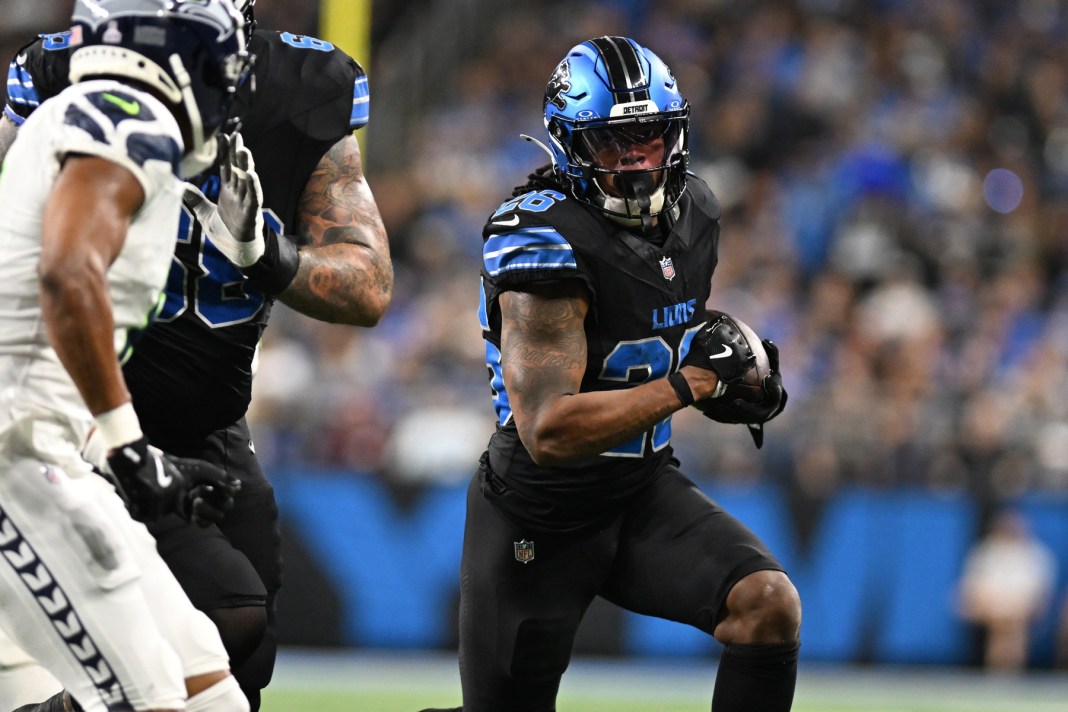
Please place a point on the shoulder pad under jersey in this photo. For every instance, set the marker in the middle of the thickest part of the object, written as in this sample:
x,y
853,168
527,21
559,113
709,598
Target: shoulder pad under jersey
x,y
528,238
702,196
116,122
309,83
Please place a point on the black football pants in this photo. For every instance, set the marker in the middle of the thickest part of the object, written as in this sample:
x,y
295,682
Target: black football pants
x,y
672,553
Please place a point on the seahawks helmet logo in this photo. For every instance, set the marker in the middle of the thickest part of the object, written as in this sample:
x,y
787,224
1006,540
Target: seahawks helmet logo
x,y
559,84
207,12
217,15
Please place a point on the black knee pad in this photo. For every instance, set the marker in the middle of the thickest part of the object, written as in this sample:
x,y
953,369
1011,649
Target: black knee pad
x,y
242,630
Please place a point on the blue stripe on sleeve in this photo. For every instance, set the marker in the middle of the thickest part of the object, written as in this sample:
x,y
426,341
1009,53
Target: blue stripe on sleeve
x,y
483,311
20,89
10,113
361,104
501,403
529,248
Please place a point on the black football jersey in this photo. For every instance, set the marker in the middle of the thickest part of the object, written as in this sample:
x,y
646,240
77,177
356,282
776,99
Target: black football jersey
x,y
191,373
647,302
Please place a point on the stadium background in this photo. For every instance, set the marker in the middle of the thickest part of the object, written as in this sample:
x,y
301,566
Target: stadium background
x,y
894,176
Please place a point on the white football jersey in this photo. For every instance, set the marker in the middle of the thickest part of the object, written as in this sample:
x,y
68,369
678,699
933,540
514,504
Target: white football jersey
x,y
135,130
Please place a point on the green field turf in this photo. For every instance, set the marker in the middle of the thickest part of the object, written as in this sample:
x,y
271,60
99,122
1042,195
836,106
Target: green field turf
x,y
398,701
283,701
390,682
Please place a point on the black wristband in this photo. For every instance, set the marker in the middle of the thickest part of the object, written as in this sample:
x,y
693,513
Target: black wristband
x,y
682,388
278,265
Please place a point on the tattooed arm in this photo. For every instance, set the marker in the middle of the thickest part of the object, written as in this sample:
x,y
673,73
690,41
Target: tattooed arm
x,y
543,352
345,274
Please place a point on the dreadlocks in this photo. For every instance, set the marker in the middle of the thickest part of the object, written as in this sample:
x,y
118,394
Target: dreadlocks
x,y
543,178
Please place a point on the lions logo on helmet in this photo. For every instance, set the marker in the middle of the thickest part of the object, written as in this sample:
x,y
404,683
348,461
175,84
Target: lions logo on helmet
x,y
190,51
608,96
559,83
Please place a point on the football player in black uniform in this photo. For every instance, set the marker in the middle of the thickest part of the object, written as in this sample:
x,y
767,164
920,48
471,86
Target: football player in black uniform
x,y
594,282
326,255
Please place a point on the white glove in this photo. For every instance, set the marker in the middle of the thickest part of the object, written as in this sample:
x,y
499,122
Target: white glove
x,y
235,225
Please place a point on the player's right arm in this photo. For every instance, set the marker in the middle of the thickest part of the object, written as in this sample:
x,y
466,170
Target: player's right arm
x,y
345,274
543,354
84,227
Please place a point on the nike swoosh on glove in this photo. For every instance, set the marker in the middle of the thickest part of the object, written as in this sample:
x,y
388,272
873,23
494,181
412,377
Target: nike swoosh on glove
x,y
154,484
749,405
720,347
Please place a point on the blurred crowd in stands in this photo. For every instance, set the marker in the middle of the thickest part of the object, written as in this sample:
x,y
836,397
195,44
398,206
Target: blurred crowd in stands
x,y
894,183
894,178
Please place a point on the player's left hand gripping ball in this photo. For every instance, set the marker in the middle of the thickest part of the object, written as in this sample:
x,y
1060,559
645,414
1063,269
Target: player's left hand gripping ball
x,y
750,405
747,404
722,348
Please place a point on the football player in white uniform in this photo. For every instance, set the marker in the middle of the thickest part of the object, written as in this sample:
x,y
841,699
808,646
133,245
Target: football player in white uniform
x,y
90,195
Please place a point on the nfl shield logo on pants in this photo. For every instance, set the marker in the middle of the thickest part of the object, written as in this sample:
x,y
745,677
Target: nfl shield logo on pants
x,y
668,268
524,551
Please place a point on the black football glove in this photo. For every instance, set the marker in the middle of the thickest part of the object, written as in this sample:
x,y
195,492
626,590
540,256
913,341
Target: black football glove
x,y
211,491
153,484
720,347
749,405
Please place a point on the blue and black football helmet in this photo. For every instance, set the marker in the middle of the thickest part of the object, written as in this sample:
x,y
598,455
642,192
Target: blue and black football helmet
x,y
193,52
612,92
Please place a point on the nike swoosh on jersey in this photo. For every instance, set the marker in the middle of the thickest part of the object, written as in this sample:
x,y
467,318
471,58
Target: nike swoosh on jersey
x,y
514,220
133,108
722,354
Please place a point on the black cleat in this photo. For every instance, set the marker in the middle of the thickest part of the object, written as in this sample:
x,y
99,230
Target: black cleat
x,y
60,702
430,709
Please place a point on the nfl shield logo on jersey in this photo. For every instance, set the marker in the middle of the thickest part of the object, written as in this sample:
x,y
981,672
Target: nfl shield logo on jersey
x,y
668,268
524,551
